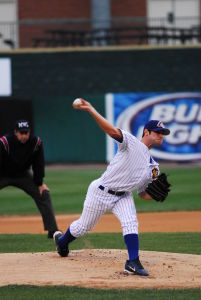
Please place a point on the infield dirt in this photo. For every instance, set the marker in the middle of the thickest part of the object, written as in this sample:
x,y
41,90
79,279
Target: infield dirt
x,y
148,222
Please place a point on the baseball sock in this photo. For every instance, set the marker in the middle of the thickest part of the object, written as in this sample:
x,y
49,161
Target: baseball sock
x,y
132,243
66,238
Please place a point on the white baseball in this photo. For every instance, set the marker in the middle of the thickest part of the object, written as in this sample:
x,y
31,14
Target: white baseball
x,y
77,102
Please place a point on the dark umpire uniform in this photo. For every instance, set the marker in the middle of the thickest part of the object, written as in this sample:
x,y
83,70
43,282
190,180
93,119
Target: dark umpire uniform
x,y
19,152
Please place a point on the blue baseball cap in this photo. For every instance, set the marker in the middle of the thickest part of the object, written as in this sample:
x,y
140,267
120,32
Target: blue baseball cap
x,y
157,126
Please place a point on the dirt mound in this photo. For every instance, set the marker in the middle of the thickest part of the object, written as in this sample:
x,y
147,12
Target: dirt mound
x,y
100,269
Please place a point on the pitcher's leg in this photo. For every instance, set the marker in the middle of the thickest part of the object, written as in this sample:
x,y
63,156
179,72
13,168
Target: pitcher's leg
x,y
125,211
85,223
93,209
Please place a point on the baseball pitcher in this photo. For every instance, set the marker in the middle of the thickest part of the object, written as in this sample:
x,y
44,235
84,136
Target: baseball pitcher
x,y
132,168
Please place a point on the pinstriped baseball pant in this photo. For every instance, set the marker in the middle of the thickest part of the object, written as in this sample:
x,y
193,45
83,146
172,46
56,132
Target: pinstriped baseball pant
x,y
97,202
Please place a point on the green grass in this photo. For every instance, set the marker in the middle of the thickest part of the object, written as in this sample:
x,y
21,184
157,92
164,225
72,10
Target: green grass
x,y
69,187
14,292
68,190
165,242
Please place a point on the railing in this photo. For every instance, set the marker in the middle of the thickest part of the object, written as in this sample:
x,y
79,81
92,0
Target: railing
x,y
8,35
122,31
118,36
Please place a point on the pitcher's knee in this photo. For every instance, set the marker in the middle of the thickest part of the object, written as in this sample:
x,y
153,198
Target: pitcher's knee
x,y
77,228
130,227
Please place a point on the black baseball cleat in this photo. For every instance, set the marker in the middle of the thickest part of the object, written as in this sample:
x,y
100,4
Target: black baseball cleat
x,y
135,267
63,251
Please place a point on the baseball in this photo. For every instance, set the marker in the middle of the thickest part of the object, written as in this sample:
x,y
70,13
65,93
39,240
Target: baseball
x,y
77,102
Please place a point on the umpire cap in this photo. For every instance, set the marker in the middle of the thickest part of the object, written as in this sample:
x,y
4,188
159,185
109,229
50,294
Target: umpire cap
x,y
22,125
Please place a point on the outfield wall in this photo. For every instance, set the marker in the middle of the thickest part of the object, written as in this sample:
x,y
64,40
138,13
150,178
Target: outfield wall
x,y
52,79
69,135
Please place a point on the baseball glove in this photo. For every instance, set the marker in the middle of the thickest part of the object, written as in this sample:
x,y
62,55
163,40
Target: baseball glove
x,y
159,188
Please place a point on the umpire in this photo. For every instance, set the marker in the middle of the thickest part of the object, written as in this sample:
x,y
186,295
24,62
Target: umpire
x,y
19,152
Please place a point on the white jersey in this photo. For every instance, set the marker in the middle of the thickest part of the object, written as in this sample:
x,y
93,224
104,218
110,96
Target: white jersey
x,y
131,168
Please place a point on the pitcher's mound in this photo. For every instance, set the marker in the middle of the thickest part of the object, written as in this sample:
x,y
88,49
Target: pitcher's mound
x,y
100,269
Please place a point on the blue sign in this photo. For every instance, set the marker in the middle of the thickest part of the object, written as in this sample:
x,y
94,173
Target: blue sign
x,y
180,112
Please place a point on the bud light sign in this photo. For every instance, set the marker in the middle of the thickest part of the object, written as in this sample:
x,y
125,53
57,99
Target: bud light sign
x,y
180,112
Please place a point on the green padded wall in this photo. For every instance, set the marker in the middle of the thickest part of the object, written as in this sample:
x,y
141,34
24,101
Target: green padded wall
x,y
68,134
52,79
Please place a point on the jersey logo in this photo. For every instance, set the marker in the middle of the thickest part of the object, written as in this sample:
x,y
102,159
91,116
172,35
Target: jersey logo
x,y
4,140
154,173
37,144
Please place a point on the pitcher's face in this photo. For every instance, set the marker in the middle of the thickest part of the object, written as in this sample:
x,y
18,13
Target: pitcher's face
x,y
156,138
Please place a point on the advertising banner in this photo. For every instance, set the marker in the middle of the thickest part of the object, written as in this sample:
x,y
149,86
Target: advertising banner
x,y
5,77
180,112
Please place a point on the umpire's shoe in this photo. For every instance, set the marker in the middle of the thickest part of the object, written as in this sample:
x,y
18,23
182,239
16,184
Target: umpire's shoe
x,y
135,267
62,250
51,234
